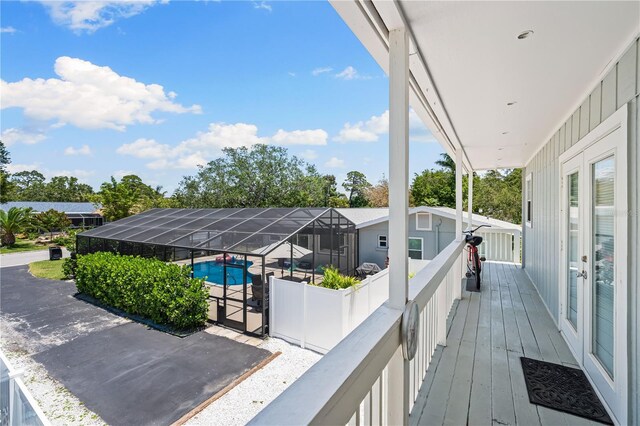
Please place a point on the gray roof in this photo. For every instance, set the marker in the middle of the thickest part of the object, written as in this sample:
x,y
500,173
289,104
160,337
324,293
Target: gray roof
x,y
363,217
365,214
43,206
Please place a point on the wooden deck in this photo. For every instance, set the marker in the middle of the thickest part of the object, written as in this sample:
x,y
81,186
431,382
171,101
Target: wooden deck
x,y
477,378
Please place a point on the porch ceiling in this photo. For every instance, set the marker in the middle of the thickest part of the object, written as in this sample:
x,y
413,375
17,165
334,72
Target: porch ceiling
x,y
468,63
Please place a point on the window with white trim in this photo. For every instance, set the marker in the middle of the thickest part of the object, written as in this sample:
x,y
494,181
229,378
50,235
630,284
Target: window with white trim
x,y
529,200
423,221
382,242
415,248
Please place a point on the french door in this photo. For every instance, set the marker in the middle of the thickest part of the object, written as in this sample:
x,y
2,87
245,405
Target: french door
x,y
593,275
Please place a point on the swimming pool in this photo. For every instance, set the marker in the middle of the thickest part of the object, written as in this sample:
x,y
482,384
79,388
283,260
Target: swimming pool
x,y
213,272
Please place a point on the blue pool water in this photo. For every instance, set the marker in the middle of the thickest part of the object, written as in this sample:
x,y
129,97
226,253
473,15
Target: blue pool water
x,y
213,272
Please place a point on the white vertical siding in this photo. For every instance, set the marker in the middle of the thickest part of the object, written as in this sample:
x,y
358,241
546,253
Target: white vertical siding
x,y
620,86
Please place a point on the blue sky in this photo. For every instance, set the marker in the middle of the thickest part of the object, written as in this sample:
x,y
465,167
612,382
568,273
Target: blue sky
x,y
155,88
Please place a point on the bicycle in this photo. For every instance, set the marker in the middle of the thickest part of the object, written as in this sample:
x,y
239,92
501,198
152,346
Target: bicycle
x,y
474,262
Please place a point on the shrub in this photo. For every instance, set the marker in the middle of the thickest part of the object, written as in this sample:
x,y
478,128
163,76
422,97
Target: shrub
x,y
163,293
69,267
67,240
335,280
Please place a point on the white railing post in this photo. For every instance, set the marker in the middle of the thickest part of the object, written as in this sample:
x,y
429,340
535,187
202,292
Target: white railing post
x,y
470,199
516,246
398,385
459,167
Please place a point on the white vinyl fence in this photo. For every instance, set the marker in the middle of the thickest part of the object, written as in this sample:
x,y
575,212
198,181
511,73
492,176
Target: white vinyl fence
x,y
318,318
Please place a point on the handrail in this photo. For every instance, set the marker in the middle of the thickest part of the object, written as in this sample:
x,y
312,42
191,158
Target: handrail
x,y
324,393
332,390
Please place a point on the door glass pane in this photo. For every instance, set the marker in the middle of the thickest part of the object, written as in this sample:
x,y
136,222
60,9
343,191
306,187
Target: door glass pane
x,y
603,225
572,251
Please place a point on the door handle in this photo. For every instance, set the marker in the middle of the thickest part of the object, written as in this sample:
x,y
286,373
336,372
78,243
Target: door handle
x,y
582,274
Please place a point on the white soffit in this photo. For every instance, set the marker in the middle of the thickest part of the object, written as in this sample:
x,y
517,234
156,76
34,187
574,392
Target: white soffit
x,y
477,64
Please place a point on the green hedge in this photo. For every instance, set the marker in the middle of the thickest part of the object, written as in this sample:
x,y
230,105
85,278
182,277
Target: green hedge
x,y
163,293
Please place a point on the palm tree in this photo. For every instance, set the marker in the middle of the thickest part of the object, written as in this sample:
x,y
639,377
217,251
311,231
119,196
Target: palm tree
x,y
447,163
12,222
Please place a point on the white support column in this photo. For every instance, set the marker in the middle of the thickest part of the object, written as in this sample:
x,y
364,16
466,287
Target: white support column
x,y
516,246
398,384
457,277
459,194
470,199
398,167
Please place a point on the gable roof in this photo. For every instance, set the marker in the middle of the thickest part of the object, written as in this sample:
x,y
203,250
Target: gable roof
x,y
364,217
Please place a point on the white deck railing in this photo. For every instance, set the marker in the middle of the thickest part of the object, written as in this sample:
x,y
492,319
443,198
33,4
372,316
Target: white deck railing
x,y
500,244
357,381
17,405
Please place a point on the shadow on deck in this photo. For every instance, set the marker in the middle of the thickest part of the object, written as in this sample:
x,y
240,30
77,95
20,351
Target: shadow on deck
x,y
477,378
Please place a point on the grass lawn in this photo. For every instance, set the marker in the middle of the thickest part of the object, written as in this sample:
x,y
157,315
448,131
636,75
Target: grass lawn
x,y
50,269
20,246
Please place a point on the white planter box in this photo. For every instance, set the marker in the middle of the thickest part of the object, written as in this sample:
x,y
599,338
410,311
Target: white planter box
x,y
318,318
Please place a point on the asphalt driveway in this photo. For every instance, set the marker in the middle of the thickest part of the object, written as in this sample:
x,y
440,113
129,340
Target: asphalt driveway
x,y
124,371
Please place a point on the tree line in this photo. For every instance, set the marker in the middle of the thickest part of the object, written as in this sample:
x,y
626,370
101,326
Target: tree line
x,y
266,176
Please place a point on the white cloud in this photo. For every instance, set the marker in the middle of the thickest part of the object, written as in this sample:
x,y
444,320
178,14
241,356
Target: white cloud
x,y
262,5
309,154
79,173
300,137
334,163
207,145
189,162
376,125
48,173
322,70
14,168
145,148
90,97
89,16
8,30
119,174
364,131
291,74
83,150
12,136
349,73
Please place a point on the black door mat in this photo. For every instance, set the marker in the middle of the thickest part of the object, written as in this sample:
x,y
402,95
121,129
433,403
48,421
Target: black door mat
x,y
562,388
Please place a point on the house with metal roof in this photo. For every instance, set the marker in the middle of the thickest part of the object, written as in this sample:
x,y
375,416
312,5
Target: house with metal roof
x,y
81,215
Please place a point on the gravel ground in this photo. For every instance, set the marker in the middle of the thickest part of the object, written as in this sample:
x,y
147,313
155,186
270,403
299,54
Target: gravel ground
x,y
58,404
243,402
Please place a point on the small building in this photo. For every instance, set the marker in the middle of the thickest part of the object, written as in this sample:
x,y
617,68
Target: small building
x,y
81,215
431,229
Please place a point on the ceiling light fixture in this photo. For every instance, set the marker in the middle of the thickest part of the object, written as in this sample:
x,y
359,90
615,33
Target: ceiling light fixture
x,y
525,34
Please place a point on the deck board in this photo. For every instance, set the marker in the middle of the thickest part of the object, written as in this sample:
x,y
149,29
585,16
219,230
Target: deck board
x,y
477,378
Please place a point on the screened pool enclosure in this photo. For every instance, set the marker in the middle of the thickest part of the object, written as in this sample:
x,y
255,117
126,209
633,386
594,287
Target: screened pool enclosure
x,y
235,251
